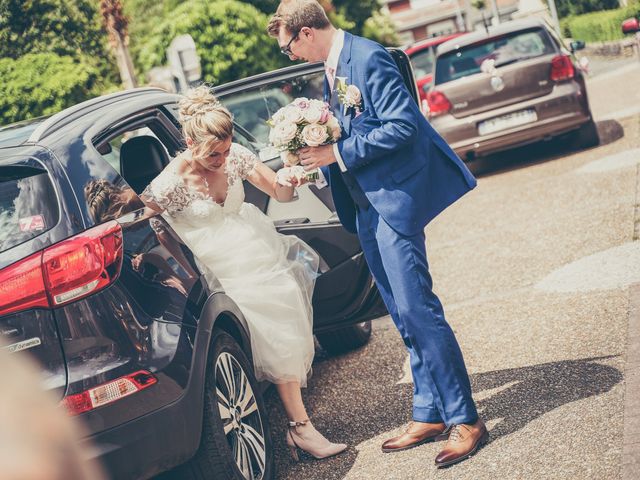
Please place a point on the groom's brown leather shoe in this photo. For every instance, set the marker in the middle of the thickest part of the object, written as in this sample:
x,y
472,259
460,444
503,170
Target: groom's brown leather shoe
x,y
416,434
464,441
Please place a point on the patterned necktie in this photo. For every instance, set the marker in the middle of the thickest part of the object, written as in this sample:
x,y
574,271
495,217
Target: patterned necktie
x,y
330,72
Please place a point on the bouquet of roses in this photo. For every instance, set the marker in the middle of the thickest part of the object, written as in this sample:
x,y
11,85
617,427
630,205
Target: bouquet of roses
x,y
302,123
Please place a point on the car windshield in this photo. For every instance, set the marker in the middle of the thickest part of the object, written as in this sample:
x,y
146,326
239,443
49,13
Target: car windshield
x,y
28,204
422,62
496,52
253,106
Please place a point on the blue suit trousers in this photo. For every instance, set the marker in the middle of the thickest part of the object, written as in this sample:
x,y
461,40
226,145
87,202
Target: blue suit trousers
x,y
442,391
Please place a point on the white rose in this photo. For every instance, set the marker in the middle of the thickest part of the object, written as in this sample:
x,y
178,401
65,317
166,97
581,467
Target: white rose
x,y
283,133
334,126
289,158
292,114
312,114
352,95
314,134
279,116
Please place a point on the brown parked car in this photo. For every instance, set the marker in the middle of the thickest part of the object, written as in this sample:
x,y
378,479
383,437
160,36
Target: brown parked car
x,y
517,84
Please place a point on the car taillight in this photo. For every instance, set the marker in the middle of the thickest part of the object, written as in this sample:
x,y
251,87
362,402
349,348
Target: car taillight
x,y
62,273
22,286
561,68
108,392
438,103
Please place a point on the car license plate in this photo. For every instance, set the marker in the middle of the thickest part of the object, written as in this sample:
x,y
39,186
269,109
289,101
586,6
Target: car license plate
x,y
510,120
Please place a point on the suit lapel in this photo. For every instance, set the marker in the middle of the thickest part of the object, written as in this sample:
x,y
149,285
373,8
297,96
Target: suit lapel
x,y
344,70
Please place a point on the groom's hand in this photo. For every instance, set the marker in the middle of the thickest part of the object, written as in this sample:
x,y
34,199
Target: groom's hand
x,y
316,157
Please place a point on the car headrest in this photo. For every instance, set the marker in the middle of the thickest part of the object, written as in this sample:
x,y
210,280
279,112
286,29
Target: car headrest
x,y
142,158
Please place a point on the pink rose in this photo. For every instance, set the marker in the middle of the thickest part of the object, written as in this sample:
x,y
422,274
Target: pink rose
x,y
325,115
302,103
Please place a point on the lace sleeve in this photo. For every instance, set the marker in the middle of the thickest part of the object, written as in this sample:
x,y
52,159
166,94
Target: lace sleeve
x,y
241,161
166,193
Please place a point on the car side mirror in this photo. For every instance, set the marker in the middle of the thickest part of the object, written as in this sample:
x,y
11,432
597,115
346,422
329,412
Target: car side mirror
x,y
576,45
631,25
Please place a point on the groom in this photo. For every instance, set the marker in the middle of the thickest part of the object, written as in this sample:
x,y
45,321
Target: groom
x,y
390,174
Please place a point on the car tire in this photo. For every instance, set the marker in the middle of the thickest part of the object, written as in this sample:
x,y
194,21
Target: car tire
x,y
345,339
245,451
586,136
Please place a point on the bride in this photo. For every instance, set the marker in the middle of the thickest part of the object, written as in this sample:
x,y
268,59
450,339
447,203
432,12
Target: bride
x,y
270,276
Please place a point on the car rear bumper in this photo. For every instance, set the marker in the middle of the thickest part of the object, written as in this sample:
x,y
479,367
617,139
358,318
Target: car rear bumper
x,y
563,110
152,443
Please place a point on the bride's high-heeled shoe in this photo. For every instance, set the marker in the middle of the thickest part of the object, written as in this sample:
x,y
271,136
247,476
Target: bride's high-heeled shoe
x,y
311,441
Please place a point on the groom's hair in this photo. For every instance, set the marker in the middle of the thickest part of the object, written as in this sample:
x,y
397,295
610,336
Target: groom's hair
x,y
295,14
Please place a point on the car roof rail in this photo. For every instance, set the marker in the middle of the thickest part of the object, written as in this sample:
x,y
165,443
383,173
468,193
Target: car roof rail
x,y
66,116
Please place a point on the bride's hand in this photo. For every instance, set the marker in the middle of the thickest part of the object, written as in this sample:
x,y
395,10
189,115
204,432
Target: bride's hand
x,y
291,176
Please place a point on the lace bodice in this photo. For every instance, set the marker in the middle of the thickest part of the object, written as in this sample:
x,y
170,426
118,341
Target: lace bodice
x,y
183,202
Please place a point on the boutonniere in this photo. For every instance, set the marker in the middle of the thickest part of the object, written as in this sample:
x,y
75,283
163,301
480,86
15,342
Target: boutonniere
x,y
349,96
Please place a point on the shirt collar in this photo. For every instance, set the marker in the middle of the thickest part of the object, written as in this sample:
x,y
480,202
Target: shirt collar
x,y
335,50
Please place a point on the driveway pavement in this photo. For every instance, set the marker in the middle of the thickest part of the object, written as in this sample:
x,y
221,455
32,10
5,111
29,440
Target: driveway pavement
x,y
536,269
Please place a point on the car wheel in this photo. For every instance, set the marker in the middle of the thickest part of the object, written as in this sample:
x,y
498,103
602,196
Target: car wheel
x,y
345,339
235,442
586,136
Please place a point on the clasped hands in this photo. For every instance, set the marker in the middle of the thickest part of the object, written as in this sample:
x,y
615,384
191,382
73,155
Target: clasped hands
x,y
311,158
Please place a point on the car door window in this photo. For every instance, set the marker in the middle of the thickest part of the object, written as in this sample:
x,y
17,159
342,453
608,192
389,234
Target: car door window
x,y
110,149
253,106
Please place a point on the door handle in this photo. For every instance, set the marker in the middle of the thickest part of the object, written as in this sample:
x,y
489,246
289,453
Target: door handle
x,y
291,221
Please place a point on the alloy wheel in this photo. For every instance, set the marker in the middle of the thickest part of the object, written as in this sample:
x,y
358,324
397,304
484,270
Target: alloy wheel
x,y
240,417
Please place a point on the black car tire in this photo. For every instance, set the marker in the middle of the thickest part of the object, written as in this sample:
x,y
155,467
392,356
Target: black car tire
x,y
219,455
345,339
586,136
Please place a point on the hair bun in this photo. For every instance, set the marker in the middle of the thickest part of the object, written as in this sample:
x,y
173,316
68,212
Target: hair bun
x,y
198,101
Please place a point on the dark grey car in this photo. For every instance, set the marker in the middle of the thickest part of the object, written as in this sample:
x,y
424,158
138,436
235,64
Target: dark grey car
x,y
154,359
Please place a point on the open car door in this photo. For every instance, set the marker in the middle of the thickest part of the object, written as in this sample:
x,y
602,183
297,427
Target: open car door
x,y
345,293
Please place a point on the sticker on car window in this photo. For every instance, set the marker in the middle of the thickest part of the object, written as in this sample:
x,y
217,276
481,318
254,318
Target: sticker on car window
x,y
33,223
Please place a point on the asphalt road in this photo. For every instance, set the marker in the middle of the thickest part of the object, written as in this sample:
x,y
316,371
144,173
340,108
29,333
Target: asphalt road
x,y
534,268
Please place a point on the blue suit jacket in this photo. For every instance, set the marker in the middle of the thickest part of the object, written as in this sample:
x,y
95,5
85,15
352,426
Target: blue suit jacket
x,y
407,171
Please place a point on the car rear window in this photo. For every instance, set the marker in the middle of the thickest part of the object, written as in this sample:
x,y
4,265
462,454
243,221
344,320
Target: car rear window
x,y
28,204
503,50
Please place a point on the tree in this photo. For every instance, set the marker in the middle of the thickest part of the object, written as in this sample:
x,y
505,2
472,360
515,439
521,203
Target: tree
x,y
116,24
230,38
381,29
63,27
44,83
358,12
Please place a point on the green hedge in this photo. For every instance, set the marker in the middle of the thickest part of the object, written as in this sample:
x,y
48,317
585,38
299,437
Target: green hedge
x,y
599,26
44,83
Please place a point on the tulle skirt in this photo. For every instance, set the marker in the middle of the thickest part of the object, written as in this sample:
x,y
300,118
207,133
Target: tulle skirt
x,y
270,276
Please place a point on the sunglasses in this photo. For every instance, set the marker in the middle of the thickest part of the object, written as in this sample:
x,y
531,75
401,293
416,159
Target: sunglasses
x,y
286,50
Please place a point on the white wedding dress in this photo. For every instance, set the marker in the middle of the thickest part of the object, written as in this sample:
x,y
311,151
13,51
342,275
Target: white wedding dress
x,y
270,276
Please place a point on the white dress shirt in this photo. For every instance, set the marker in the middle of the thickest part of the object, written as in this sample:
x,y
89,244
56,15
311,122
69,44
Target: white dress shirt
x,y
332,62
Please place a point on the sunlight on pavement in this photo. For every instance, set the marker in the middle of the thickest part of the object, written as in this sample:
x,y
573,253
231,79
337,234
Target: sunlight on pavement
x,y
616,267
625,159
406,372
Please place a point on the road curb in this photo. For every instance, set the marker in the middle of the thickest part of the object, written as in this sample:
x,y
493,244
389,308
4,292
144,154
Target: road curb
x,y
631,438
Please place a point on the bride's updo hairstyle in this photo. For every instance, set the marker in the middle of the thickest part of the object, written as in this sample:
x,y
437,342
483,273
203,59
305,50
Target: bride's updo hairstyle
x,y
204,119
